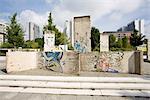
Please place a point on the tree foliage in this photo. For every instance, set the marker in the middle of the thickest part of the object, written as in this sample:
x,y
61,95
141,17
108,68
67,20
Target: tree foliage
x,y
6,45
60,38
125,42
119,44
40,42
136,38
95,39
112,40
31,44
15,33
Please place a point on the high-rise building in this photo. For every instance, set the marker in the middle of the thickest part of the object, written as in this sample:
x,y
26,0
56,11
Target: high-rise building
x,y
82,34
68,30
34,31
134,25
3,32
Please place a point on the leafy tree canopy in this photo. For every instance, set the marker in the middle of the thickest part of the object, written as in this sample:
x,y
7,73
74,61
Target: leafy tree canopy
x,y
60,38
95,39
137,38
15,33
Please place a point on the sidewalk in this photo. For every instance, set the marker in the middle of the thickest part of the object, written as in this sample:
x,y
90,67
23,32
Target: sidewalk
x,y
45,72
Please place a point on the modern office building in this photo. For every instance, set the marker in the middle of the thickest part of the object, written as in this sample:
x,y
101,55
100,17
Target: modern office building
x,y
3,32
82,34
68,30
134,25
34,31
119,35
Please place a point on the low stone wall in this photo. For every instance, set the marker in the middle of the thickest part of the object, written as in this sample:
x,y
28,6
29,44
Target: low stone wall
x,y
72,62
20,61
107,61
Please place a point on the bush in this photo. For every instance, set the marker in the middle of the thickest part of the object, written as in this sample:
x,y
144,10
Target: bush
x,y
121,49
31,44
6,45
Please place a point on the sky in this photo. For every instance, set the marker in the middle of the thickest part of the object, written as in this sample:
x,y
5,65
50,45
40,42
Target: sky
x,y
106,15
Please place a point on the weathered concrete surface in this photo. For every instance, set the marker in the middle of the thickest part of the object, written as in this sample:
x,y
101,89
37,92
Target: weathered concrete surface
x,y
27,96
72,62
146,68
82,34
100,86
20,61
104,42
2,62
66,62
106,61
148,49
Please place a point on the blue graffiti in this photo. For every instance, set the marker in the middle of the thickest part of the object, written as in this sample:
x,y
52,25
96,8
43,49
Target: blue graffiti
x,y
55,56
112,70
52,59
79,48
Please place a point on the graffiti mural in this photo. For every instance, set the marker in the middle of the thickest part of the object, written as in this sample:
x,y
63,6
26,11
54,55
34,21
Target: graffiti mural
x,y
64,62
110,62
52,61
104,61
80,47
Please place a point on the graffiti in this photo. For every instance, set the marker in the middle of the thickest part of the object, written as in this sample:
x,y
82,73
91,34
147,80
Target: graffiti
x,y
80,47
52,61
104,61
110,62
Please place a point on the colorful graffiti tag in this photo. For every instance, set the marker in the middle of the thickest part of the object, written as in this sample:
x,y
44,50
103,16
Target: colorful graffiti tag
x,y
52,61
110,62
79,47
104,61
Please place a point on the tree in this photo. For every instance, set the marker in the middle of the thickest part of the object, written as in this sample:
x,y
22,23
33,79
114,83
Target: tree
x,y
15,33
40,42
95,39
60,38
31,44
136,38
125,42
6,45
119,43
112,40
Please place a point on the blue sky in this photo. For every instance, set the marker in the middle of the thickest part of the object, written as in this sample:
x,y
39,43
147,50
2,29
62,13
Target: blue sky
x,y
105,14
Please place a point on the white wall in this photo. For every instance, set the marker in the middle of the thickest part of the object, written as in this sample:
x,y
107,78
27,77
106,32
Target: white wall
x,y
104,42
49,41
20,61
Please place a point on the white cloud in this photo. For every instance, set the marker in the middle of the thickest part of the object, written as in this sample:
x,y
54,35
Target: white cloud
x,y
31,16
3,21
49,1
66,9
27,16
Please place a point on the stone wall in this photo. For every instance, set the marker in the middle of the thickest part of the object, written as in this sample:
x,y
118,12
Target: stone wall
x,y
20,61
104,42
66,62
106,61
82,34
148,52
72,62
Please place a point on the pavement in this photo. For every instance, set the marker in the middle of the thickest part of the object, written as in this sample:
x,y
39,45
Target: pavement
x,y
29,96
44,72
76,87
146,68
